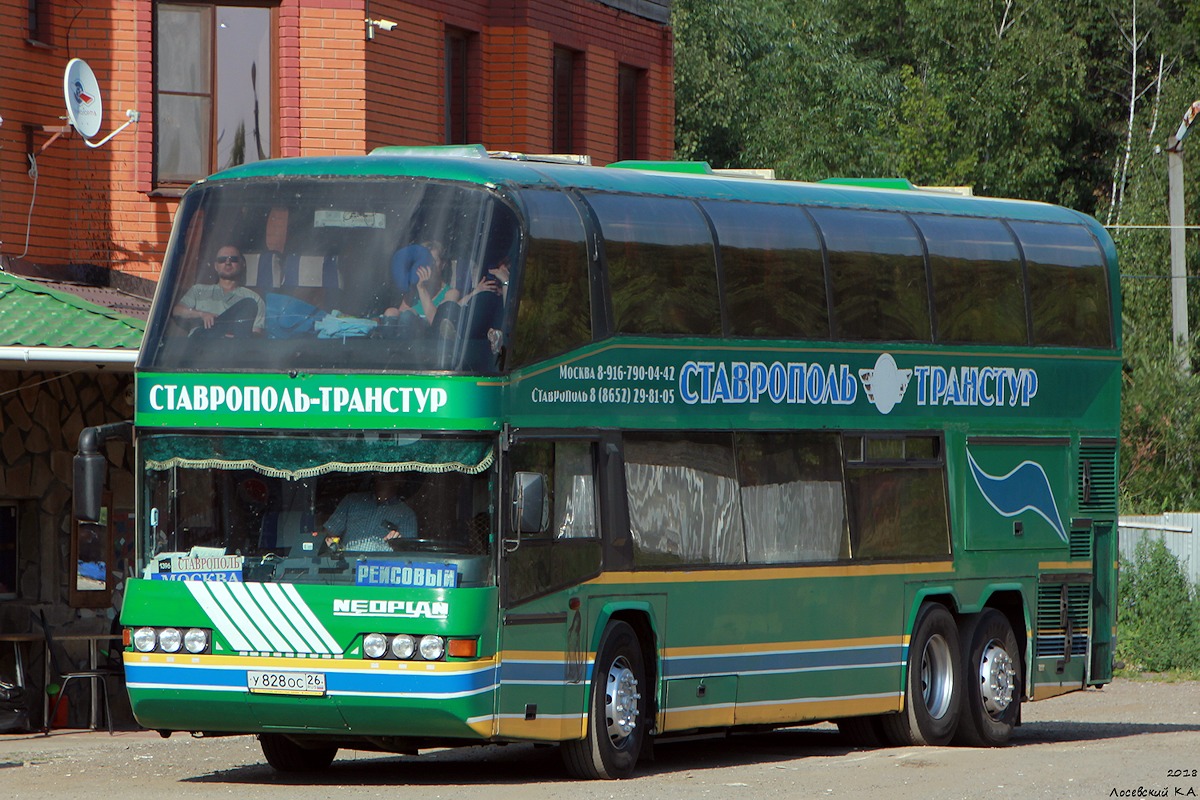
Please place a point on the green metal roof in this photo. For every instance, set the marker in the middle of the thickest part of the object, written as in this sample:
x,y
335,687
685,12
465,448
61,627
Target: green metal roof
x,y
33,314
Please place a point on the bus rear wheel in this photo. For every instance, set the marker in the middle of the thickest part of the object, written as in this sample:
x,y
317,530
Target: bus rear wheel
x,y
933,684
992,673
616,725
286,756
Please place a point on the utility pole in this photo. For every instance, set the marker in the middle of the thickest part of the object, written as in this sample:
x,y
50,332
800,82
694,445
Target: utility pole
x,y
1179,311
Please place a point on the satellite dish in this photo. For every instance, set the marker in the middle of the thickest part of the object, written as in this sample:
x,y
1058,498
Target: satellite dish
x,y
85,110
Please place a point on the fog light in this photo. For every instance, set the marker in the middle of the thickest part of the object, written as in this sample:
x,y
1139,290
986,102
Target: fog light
x,y
144,639
432,647
195,640
170,640
403,646
374,645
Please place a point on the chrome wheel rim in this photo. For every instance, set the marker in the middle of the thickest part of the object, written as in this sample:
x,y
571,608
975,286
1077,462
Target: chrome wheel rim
x,y
997,678
621,702
937,676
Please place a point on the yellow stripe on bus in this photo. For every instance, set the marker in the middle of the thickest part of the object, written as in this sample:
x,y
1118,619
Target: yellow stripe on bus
x,y
774,573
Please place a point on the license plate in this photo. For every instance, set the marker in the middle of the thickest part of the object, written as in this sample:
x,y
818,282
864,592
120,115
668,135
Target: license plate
x,y
281,682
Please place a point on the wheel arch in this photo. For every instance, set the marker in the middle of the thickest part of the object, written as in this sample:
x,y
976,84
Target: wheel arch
x,y
639,616
1010,602
942,595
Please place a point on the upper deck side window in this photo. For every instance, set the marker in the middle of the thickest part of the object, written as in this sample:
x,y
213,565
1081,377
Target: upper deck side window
x,y
1068,285
978,283
661,265
877,278
554,313
773,269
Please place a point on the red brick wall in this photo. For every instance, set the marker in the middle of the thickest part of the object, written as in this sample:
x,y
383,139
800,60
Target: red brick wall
x,y
337,93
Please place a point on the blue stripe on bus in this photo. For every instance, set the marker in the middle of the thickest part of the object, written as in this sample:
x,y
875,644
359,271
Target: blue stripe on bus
x,y
358,681
794,661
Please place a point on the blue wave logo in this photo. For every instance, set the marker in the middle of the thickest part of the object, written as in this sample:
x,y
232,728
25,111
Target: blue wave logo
x,y
1026,488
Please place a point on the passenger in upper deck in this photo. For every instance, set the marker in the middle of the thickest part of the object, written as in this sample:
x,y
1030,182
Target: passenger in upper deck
x,y
421,281
225,308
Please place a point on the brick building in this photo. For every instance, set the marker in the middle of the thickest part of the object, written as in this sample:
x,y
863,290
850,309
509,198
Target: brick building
x,y
83,229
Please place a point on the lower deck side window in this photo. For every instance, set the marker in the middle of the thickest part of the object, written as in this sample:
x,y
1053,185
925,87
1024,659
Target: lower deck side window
x,y
784,497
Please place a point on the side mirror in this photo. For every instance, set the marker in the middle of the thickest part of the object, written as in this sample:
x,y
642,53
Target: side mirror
x,y
531,505
90,471
90,468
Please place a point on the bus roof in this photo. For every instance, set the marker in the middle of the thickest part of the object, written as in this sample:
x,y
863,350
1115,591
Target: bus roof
x,y
474,167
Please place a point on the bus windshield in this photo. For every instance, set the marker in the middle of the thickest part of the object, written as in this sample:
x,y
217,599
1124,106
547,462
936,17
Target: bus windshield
x,y
325,509
409,274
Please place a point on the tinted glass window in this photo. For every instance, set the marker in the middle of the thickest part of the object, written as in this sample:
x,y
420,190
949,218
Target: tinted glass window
x,y
661,265
337,274
978,287
793,504
897,497
683,499
773,270
876,275
569,551
555,308
1068,285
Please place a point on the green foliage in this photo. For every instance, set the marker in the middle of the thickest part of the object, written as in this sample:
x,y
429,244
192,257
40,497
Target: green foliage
x,y
1160,436
1021,98
1158,627
927,151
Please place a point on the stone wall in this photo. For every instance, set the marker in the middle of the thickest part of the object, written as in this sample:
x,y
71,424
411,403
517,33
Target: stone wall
x,y
41,416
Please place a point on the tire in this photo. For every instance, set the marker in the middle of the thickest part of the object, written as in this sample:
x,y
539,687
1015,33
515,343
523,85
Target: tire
x,y
863,731
616,724
992,680
933,682
286,756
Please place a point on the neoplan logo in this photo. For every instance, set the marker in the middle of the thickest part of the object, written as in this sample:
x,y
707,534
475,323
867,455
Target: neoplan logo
x,y
403,609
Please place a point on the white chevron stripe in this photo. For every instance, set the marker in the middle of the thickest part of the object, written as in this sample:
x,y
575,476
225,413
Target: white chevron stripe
x,y
242,596
256,639
203,595
268,605
288,609
307,614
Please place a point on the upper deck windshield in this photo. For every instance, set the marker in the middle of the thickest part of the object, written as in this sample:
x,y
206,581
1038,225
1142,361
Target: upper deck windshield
x,y
336,273
373,510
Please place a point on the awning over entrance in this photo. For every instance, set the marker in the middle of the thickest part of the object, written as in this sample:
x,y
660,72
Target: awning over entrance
x,y
50,325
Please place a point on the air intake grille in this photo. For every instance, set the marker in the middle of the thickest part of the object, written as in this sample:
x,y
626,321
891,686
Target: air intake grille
x,y
1051,625
1080,544
1098,478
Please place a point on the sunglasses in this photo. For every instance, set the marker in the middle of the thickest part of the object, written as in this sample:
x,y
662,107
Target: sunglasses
x,y
228,260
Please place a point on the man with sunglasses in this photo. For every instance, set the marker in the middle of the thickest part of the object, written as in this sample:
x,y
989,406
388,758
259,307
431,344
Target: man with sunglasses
x,y
225,308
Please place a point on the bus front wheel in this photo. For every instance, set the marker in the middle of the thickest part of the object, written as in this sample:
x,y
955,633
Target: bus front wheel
x,y
992,671
616,724
286,756
933,685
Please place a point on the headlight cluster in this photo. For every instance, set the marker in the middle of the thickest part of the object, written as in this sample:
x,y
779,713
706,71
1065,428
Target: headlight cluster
x,y
172,640
404,646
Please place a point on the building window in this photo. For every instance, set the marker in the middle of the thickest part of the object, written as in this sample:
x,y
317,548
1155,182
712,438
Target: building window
x,y
461,86
214,93
38,29
568,76
629,112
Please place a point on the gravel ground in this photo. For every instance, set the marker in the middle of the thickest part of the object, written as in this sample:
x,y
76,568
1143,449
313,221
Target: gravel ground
x,y
1130,739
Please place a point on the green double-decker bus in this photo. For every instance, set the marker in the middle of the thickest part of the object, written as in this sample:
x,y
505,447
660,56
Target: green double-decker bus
x,y
477,449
